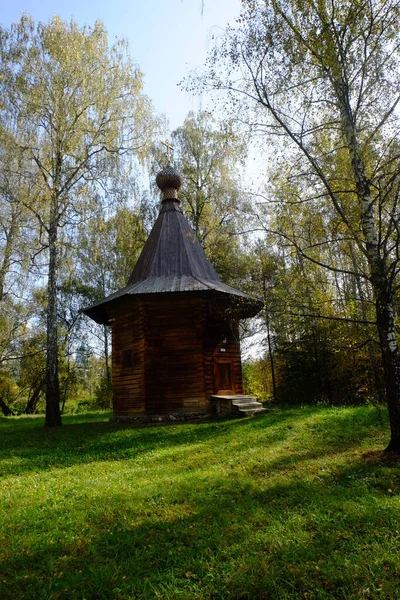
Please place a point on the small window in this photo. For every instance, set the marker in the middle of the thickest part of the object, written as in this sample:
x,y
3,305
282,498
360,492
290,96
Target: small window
x,y
127,359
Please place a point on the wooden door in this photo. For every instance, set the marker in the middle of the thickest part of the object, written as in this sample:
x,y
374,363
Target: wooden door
x,y
223,376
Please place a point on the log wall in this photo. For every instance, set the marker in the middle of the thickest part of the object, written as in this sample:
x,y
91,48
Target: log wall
x,y
165,352
128,378
174,370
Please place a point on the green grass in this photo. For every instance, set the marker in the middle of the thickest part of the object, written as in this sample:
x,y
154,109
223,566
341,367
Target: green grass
x,y
295,504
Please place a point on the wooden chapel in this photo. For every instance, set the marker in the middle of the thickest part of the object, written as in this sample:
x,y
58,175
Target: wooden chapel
x,y
175,341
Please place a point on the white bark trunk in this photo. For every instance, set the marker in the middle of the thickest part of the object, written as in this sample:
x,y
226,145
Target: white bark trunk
x,y
383,293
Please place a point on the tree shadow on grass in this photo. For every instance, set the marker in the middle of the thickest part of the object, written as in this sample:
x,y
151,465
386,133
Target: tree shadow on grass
x,y
30,447
227,538
26,448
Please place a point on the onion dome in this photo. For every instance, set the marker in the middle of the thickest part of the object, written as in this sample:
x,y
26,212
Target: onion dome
x,y
169,180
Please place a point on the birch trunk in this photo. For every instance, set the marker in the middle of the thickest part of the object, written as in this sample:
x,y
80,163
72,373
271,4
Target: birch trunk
x,y
383,293
53,415
383,296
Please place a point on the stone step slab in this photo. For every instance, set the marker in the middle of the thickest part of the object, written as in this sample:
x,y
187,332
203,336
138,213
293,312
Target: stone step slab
x,y
251,411
240,406
248,406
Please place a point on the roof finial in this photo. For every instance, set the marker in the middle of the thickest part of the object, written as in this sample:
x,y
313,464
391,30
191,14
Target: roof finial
x,y
170,151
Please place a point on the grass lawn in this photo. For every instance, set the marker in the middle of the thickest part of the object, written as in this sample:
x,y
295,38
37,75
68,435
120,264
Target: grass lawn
x,y
293,504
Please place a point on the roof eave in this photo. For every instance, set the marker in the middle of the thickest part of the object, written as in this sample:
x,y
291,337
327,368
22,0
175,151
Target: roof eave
x,y
244,305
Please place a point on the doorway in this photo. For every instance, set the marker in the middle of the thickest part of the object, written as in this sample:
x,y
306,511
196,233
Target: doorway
x,y
223,377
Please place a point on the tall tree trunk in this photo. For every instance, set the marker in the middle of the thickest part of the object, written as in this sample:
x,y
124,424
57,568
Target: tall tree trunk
x,y
30,408
53,414
391,360
5,265
107,354
271,357
376,383
380,280
270,352
66,386
6,410
383,295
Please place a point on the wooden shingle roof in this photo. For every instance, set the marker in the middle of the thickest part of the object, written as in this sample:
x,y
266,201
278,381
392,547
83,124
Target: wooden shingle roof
x,y
173,260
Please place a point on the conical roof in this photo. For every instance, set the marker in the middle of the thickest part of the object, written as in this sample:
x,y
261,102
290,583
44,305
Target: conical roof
x,y
173,260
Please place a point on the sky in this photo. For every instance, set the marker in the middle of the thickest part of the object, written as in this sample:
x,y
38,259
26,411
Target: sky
x,y
167,38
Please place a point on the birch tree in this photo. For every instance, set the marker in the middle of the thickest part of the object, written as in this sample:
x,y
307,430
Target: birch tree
x,y
324,78
79,106
108,250
210,155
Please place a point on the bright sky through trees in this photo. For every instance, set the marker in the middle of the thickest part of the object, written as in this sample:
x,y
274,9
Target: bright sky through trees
x,y
167,38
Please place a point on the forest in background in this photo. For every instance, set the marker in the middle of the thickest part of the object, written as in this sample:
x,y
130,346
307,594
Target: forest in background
x,y
319,242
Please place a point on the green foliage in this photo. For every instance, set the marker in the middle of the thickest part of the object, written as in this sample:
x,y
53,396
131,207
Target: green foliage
x,y
108,248
321,81
73,115
9,390
211,155
71,107
32,364
317,356
331,377
334,377
103,393
257,378
295,504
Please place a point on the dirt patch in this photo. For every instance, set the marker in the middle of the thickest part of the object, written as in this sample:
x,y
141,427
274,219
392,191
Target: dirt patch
x,y
380,457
